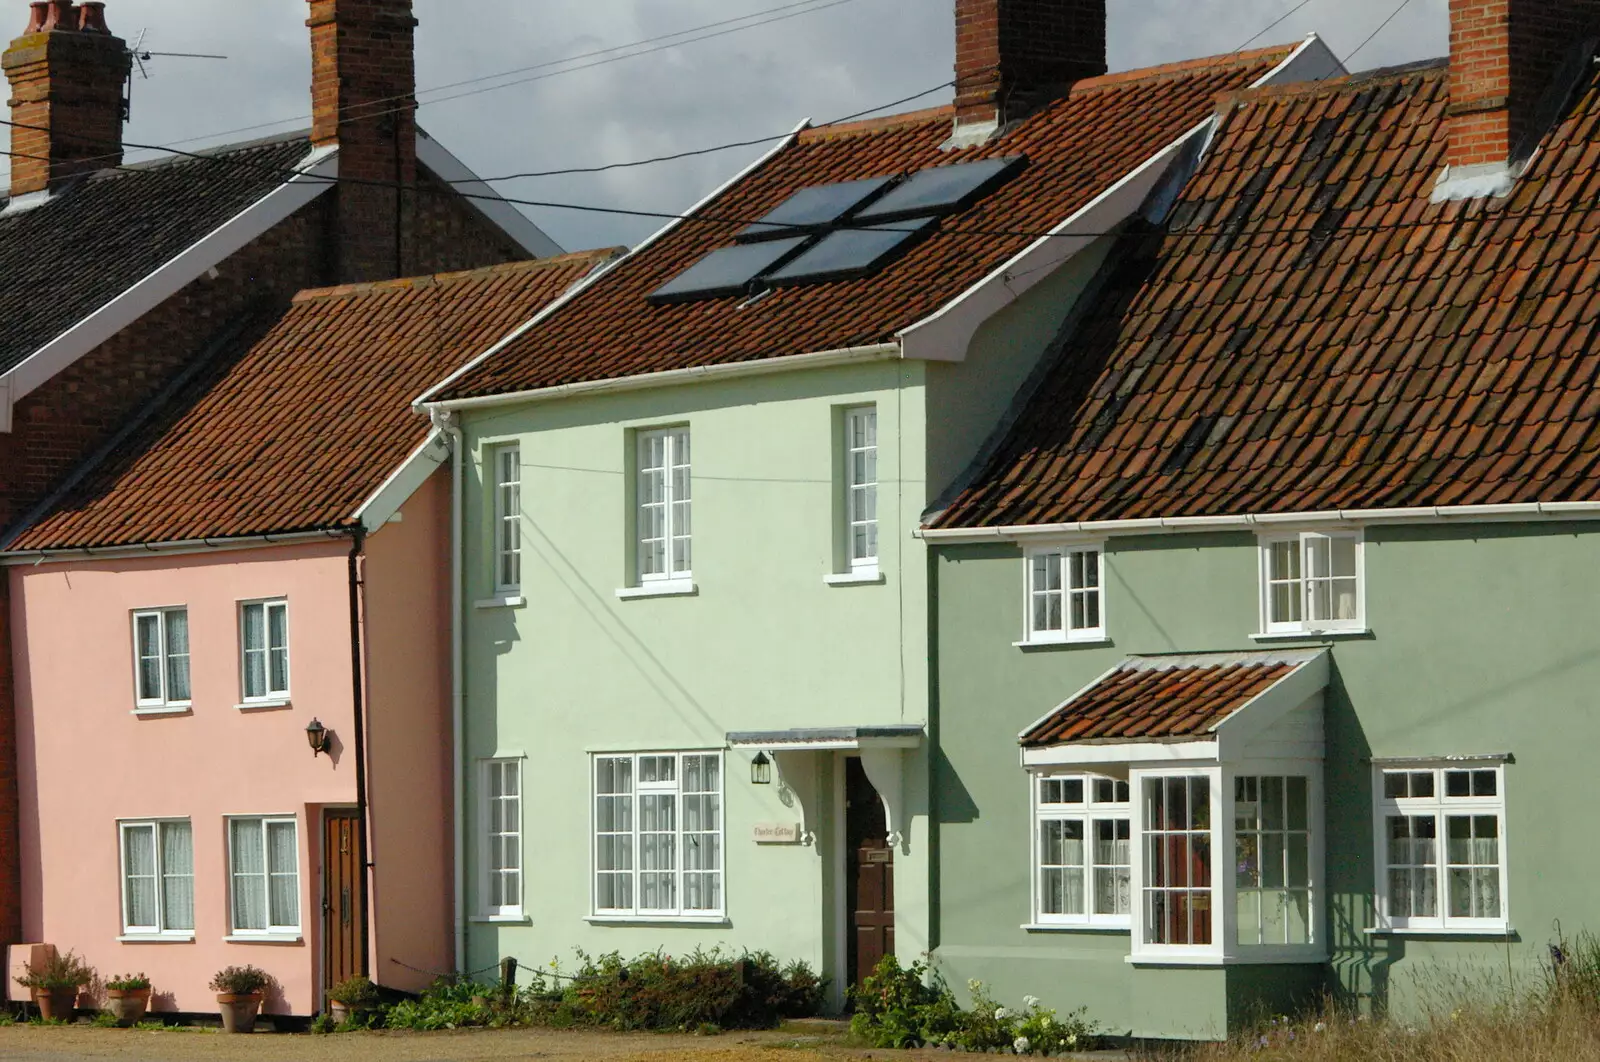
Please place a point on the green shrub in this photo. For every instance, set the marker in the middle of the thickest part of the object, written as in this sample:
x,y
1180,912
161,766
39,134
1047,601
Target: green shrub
x,y
322,1025
128,982
898,1007
240,980
700,990
357,993
57,972
447,1004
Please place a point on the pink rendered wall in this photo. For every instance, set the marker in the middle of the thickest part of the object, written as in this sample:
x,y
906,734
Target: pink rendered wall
x,y
407,577
86,761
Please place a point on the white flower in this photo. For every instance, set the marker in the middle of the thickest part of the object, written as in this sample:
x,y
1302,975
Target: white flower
x,y
1021,1045
1072,1041
1047,1021
1001,1014
1320,1027
974,984
1030,1001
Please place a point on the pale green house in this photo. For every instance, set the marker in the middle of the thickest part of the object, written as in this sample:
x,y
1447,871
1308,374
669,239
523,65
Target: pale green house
x,y
696,647
1265,662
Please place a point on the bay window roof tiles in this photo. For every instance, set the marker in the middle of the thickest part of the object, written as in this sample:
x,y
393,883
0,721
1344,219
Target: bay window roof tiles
x,y
1308,332
1152,699
293,426
1076,147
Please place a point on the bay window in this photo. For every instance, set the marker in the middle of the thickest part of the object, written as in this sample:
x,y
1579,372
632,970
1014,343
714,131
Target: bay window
x,y
1311,582
658,835
1441,847
1272,860
1082,863
1065,601
1177,908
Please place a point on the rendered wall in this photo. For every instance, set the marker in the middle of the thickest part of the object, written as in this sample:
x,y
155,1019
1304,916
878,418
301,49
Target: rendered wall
x,y
1481,643
87,761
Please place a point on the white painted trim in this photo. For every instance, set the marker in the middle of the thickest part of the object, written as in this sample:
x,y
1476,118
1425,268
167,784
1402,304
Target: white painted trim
x,y
484,199
385,502
591,279
694,374
156,938
1142,752
660,588
875,577
310,182
152,549
651,920
1313,60
1331,518
503,601
264,938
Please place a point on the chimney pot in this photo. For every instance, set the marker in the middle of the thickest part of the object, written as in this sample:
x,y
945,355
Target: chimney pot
x,y
36,18
60,15
93,17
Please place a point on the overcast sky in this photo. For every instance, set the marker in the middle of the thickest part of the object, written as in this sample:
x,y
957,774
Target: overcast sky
x,y
829,58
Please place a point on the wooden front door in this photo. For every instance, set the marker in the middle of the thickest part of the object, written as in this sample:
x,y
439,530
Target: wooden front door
x,y
869,873
341,897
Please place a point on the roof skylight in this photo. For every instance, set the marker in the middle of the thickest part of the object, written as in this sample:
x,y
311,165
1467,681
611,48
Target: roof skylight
x,y
838,231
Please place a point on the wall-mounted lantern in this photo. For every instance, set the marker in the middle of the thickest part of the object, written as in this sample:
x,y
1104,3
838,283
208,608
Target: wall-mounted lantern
x,y
761,769
318,737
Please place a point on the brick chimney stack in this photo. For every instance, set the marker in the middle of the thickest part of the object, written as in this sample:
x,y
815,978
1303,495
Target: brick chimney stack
x,y
1512,63
363,98
1013,55
67,73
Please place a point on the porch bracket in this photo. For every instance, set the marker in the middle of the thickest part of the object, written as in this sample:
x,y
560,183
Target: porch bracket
x,y
797,782
885,769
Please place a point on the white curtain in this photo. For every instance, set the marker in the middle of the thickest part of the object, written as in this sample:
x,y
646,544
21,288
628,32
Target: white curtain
x,y
255,651
283,863
177,876
178,656
149,629
249,875
139,868
278,618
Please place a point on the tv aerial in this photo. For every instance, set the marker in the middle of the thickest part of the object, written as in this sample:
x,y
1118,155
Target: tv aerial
x,y
141,56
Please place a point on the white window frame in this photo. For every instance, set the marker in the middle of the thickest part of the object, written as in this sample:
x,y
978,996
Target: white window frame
x,y
1312,830
1305,541
1442,807
506,466
675,441
272,929
861,495
1215,951
158,930
1059,560
486,868
271,695
677,913
1091,812
164,701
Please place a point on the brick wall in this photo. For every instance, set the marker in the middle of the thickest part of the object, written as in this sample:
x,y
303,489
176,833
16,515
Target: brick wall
x,y
1504,56
1012,55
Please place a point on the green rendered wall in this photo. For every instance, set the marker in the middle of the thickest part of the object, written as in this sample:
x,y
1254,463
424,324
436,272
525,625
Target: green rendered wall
x,y
1481,642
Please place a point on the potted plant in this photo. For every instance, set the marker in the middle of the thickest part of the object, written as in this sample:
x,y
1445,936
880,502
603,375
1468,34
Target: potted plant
x,y
358,995
240,990
128,997
55,984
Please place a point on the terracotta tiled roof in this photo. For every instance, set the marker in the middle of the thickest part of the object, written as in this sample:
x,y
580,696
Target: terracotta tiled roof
x,y
1076,148
1154,698
294,431
1310,334
64,260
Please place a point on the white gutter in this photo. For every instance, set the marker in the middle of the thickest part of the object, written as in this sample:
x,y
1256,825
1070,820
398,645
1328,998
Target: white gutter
x,y
444,423
151,549
693,374
590,281
1346,517
32,372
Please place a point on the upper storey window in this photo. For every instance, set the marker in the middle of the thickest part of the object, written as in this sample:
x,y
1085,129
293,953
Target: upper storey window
x,y
1312,582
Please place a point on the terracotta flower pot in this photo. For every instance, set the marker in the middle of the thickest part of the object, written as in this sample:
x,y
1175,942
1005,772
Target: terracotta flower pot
x,y
127,1005
56,1003
339,1012
239,1012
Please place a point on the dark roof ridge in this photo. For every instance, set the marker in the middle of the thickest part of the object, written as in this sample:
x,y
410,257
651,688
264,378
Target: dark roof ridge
x,y
206,152
1334,86
428,280
1203,65
877,125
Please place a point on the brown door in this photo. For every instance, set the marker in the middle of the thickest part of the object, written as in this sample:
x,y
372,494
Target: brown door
x,y
869,871
341,898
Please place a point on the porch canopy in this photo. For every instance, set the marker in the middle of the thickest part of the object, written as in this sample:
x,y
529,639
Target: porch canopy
x,y
797,751
1211,707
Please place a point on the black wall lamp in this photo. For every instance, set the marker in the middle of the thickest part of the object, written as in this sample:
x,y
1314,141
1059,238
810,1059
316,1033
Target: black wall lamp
x,y
761,769
318,736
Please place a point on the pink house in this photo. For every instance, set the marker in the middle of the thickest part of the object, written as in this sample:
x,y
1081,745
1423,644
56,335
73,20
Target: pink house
x,y
261,566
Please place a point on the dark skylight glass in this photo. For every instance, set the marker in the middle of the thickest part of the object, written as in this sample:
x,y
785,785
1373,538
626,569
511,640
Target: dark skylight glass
x,y
942,190
814,208
728,271
851,252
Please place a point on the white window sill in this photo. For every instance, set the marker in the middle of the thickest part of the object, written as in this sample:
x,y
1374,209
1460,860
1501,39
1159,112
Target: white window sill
x,y
1099,641
156,938
501,920
1313,636
1500,933
501,601
871,577
166,709
264,938
665,588
264,706
658,920
1287,957
1059,927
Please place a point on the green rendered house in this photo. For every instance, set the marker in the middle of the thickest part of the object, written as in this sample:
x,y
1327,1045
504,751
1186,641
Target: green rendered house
x,y
1264,656
694,629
